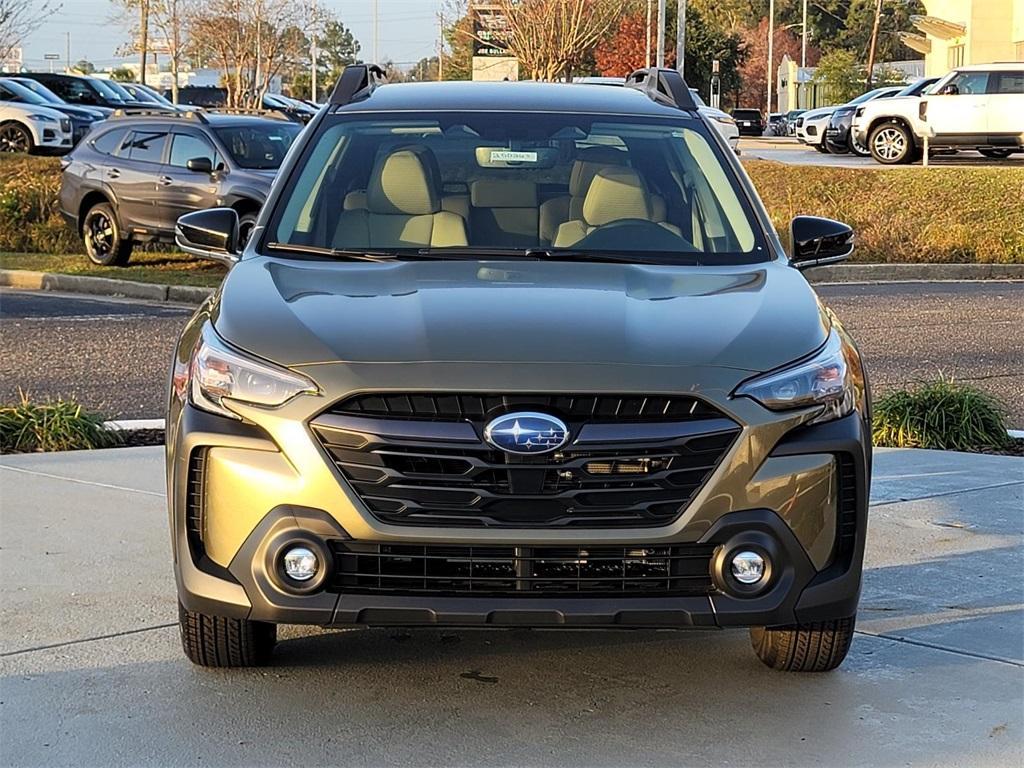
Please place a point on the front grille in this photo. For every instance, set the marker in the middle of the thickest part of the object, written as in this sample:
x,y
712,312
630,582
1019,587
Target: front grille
x,y
421,459
592,408
681,569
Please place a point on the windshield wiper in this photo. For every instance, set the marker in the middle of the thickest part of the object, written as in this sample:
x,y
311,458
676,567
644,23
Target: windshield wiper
x,y
565,254
346,254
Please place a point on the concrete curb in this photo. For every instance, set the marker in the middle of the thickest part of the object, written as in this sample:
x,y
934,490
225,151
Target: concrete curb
x,y
189,294
102,286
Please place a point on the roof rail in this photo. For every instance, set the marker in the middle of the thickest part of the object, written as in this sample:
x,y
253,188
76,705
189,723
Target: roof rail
x,y
357,81
666,86
275,114
161,113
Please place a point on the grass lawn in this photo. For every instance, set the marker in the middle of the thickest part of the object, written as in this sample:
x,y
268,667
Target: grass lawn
x,y
145,267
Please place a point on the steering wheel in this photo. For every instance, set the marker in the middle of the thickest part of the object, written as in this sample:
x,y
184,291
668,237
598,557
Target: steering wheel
x,y
626,234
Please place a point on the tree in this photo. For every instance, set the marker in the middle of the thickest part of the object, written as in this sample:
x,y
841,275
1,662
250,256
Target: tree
x,y
122,75
458,59
841,75
754,71
84,67
20,18
551,38
168,21
251,42
624,51
424,70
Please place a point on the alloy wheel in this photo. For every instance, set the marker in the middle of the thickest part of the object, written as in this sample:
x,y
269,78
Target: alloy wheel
x,y
100,234
14,138
890,143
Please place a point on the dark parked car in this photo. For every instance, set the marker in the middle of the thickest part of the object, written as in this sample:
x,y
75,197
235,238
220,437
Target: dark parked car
x,y
85,91
790,120
216,98
145,94
838,135
749,121
516,355
82,118
131,179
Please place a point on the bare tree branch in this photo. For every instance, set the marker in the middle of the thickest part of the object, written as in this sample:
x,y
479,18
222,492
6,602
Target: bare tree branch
x,y
20,18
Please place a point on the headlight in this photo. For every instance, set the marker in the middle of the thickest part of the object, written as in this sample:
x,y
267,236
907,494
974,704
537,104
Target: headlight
x,y
42,118
827,380
842,112
220,373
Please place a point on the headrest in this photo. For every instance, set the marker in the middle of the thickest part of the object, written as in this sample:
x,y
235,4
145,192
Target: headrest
x,y
588,162
503,193
615,194
401,183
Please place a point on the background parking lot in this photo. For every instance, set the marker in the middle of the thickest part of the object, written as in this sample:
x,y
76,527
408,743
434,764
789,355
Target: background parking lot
x,y
120,363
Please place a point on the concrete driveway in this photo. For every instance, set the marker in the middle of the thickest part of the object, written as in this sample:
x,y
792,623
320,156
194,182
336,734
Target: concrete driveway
x,y
91,673
786,149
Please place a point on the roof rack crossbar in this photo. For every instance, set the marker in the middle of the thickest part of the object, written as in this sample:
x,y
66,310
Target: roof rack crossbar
x,y
357,81
666,86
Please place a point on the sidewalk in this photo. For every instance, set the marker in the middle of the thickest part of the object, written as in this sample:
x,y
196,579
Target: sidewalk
x,y
91,672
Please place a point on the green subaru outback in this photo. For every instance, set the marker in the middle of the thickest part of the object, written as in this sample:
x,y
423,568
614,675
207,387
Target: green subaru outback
x,y
516,355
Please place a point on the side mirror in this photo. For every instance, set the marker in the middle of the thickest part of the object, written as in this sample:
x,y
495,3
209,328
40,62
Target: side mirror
x,y
200,165
817,241
210,234
950,90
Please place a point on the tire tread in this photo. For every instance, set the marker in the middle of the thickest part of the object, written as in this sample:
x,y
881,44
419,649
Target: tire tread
x,y
817,647
219,641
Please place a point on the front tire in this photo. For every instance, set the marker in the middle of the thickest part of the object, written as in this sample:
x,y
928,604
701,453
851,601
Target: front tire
x,y
217,641
892,144
16,138
856,147
817,647
822,147
104,242
246,224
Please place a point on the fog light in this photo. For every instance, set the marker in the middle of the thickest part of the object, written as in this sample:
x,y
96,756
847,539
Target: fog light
x,y
301,563
747,567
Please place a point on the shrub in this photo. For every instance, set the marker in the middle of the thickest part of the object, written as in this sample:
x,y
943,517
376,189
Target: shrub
x,y
942,414
908,214
61,425
30,219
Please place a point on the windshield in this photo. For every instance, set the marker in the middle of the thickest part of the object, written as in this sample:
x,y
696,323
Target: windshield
x,y
22,93
462,183
258,146
40,90
106,89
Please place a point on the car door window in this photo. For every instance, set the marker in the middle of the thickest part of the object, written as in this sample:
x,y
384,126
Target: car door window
x,y
108,143
75,92
145,146
185,147
1006,82
968,84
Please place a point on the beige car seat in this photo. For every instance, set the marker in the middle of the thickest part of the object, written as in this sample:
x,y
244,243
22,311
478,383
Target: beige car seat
x,y
615,194
402,208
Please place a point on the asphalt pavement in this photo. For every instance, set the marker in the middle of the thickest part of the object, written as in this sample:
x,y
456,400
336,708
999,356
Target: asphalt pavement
x,y
113,356
785,149
92,673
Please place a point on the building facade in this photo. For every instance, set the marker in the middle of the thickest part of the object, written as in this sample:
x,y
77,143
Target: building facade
x,y
958,32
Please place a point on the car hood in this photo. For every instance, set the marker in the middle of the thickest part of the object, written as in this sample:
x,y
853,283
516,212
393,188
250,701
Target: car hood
x,y
80,112
752,318
814,114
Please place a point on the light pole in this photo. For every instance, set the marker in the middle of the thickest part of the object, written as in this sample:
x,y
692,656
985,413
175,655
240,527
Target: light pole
x,y
647,54
771,45
803,39
661,34
681,36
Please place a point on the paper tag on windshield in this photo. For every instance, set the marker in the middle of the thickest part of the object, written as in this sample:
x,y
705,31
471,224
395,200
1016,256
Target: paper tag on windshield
x,y
512,156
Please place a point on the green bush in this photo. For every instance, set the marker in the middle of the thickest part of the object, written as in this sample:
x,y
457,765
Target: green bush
x,y
911,214
60,425
942,414
30,219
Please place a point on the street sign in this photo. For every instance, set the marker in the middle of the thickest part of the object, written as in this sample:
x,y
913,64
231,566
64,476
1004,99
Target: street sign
x,y
51,56
489,22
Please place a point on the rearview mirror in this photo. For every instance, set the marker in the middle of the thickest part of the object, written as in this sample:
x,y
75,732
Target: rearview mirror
x,y
200,165
210,234
817,241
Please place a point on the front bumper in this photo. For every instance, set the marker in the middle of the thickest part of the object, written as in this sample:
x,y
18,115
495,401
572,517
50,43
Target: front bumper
x,y
792,504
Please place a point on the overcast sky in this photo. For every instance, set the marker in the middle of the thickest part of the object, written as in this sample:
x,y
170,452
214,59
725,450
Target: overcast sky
x,y
407,30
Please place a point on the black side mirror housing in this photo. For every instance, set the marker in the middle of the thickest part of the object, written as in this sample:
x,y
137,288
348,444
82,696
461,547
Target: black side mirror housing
x,y
817,241
200,165
210,234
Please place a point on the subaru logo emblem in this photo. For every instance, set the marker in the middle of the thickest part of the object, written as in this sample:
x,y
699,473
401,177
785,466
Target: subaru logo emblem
x,y
526,432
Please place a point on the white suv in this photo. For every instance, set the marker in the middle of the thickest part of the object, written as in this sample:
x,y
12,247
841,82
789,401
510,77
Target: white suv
x,y
31,127
973,107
